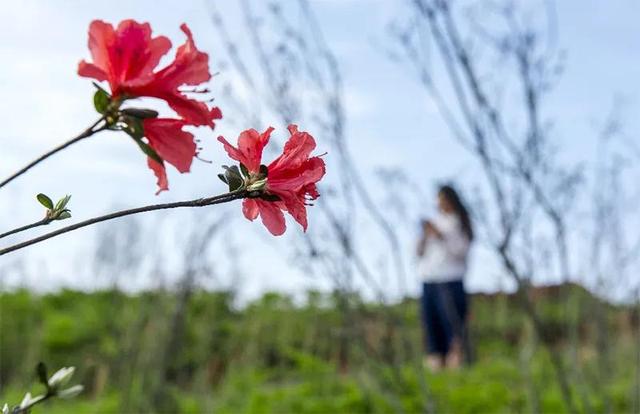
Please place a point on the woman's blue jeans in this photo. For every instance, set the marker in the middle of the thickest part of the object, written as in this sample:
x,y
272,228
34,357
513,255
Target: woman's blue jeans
x,y
444,312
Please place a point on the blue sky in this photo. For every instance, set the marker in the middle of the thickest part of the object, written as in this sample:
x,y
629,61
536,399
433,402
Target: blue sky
x,y
389,118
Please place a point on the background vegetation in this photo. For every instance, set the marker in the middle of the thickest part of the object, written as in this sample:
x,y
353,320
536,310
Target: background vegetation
x,y
274,355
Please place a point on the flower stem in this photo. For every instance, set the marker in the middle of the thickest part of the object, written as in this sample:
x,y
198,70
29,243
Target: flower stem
x,y
201,202
84,134
42,222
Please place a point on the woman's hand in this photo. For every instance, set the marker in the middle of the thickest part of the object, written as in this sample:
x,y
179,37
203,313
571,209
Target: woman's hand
x,y
431,230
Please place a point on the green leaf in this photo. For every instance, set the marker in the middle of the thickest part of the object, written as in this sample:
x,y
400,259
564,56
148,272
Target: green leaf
x,y
140,113
134,127
62,203
149,152
101,101
100,88
234,178
65,214
45,201
244,170
223,178
41,371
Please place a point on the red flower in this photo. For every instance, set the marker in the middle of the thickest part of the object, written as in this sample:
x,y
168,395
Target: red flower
x,y
292,177
172,144
127,57
123,57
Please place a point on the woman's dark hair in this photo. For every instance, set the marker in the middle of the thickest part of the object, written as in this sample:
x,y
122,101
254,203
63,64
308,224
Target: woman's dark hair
x,y
458,206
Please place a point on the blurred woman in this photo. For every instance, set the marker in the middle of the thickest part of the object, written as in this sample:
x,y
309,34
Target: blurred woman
x,y
442,263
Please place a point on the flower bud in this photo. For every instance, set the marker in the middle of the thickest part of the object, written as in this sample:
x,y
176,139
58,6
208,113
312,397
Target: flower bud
x,y
71,392
28,401
61,377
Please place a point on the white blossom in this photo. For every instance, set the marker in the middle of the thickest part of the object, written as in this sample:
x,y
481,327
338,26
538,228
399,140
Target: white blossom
x,y
28,401
71,391
61,377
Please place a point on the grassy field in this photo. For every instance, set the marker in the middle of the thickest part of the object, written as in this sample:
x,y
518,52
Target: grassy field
x,y
331,354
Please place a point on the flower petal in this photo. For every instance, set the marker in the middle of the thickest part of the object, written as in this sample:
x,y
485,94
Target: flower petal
x,y
233,152
70,392
89,70
294,204
135,54
250,146
296,150
101,38
160,173
310,172
190,67
192,111
157,48
173,144
272,217
214,114
250,208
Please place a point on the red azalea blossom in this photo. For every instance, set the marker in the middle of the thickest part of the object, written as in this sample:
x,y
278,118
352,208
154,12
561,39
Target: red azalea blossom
x,y
292,177
124,57
127,58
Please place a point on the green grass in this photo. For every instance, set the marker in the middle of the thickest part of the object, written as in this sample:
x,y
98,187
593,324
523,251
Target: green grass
x,y
275,357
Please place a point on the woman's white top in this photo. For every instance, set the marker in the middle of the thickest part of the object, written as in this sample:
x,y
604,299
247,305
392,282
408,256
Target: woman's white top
x,y
445,260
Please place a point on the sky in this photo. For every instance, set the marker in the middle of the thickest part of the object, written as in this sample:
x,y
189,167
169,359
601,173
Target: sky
x,y
390,121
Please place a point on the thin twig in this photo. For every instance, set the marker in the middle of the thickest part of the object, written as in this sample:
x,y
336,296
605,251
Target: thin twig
x,y
84,134
42,222
201,202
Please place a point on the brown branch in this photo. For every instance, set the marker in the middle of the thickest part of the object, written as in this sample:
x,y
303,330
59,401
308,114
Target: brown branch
x,y
84,134
42,222
201,202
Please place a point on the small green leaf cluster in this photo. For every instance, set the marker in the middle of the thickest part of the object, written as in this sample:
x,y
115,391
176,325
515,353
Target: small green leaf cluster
x,y
59,211
242,179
